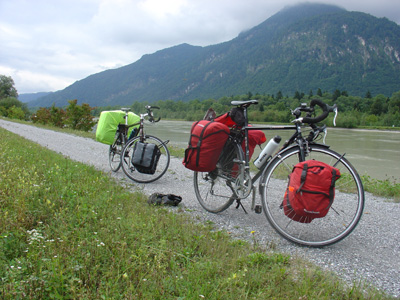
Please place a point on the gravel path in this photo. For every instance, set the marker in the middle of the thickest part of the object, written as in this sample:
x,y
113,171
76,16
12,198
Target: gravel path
x,y
371,252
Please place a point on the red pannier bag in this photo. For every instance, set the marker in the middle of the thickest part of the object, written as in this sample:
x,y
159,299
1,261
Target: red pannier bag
x,y
256,137
207,139
310,191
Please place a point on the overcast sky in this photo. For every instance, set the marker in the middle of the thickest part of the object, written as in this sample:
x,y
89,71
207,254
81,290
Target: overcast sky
x,y
46,45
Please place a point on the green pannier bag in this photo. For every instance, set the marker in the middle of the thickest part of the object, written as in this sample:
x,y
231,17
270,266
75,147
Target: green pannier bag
x,y
108,124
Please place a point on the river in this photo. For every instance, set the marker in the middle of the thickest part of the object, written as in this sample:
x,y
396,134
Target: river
x,y
372,152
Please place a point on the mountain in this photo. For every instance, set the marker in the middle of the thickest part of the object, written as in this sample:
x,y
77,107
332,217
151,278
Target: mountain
x,y
28,97
301,48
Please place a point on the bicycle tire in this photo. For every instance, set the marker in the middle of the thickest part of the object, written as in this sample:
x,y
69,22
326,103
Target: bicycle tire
x,y
114,153
214,189
344,214
162,166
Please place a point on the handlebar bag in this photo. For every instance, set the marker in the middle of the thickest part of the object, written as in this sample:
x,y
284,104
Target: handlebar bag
x,y
145,157
310,191
207,139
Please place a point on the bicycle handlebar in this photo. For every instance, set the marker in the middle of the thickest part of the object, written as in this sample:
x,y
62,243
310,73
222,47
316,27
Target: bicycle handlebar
x,y
326,109
150,113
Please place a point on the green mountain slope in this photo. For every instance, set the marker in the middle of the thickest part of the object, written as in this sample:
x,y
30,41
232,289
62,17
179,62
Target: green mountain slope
x,y
301,48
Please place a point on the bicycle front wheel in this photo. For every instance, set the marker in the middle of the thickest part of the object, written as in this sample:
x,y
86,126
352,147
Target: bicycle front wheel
x,y
135,174
215,190
343,215
115,151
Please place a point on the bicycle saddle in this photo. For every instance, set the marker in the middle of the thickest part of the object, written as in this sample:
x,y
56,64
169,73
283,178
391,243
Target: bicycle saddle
x,y
244,102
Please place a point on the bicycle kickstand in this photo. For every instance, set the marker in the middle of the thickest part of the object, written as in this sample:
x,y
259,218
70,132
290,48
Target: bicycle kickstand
x,y
239,204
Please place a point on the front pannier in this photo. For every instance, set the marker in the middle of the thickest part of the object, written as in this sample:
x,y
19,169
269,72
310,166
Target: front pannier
x,y
207,139
145,157
310,191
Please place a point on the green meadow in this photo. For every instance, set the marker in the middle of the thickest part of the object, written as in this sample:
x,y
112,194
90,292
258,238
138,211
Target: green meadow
x,y
68,231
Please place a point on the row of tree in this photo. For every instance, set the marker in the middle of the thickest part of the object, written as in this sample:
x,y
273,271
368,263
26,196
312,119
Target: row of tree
x,y
78,117
354,111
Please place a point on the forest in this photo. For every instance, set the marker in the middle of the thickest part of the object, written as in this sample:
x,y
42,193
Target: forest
x,y
354,112
369,111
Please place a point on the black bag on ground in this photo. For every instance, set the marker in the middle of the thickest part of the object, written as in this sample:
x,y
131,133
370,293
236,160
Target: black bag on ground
x,y
145,157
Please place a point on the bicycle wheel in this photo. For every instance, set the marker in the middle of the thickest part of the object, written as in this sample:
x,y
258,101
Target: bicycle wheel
x,y
162,164
114,153
343,215
215,190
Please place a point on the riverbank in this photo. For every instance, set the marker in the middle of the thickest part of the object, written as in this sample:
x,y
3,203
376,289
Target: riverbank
x,y
366,254
70,230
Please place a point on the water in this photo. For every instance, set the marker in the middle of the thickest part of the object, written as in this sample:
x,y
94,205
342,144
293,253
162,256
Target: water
x,y
372,152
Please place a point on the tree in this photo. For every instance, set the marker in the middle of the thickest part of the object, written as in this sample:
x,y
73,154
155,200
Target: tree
x,y
42,116
79,117
394,103
7,103
336,95
7,88
16,113
57,116
378,107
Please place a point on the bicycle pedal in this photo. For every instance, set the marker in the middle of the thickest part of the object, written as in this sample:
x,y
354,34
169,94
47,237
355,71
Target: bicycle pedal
x,y
258,209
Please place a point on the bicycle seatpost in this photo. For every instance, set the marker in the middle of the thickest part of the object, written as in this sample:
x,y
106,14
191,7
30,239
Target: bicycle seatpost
x,y
126,110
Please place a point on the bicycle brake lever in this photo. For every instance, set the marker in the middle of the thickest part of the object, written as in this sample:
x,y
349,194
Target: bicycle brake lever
x,y
325,131
298,120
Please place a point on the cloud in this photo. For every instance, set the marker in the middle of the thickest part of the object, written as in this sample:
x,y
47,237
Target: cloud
x,y
48,45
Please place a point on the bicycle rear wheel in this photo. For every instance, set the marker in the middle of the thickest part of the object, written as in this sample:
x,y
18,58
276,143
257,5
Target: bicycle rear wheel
x,y
215,190
162,164
115,151
343,215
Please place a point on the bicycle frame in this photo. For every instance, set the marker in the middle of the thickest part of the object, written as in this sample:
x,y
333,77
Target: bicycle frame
x,y
232,180
140,123
246,129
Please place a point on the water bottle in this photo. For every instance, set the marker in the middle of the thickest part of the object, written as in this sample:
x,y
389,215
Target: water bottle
x,y
267,151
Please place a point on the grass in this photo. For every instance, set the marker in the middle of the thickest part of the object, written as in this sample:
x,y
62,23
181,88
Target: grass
x,y
388,188
68,231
